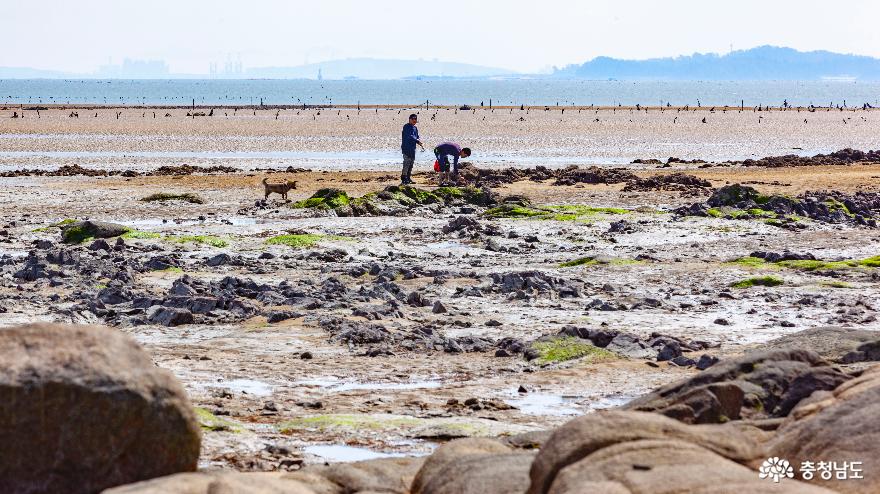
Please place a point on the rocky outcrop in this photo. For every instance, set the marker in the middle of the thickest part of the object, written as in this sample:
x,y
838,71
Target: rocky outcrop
x,y
758,386
641,453
837,344
388,476
837,426
83,408
474,466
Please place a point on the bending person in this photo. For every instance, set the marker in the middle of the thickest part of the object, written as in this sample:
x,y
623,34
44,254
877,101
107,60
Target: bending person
x,y
443,151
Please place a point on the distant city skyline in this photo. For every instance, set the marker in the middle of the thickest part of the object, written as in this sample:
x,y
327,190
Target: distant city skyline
x,y
195,36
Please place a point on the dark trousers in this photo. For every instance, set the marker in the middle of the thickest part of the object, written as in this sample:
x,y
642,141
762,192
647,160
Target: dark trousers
x,y
408,161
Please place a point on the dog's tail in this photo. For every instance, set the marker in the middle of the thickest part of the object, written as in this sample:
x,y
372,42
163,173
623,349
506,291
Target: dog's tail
x,y
265,179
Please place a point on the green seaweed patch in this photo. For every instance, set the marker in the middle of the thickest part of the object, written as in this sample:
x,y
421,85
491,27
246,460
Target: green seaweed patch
x,y
871,262
345,421
514,211
835,205
199,239
140,235
592,261
557,213
570,348
758,281
297,241
60,224
164,196
581,261
210,422
76,235
328,198
813,265
836,284
715,213
751,262
761,213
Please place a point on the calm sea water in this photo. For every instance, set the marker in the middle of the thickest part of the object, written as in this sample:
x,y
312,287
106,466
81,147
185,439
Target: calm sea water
x,y
416,92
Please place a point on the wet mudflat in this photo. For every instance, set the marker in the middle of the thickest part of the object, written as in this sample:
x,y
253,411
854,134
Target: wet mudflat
x,y
305,336
389,321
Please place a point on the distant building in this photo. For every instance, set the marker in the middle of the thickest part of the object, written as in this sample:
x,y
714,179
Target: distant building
x,y
135,69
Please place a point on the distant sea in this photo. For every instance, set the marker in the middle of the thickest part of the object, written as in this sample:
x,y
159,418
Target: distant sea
x,y
440,92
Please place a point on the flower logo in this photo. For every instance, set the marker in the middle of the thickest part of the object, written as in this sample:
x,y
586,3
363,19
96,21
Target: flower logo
x,y
776,468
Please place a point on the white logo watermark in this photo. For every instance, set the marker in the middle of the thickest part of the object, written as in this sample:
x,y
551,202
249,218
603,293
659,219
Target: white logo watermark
x,y
776,469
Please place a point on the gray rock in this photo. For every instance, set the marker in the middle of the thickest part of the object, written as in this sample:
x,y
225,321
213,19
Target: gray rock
x,y
83,409
169,316
76,232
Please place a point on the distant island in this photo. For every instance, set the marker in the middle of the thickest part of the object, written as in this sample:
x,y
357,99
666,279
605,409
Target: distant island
x,y
760,63
755,64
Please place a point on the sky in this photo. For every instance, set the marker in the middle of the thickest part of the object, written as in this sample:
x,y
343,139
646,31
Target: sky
x,y
521,35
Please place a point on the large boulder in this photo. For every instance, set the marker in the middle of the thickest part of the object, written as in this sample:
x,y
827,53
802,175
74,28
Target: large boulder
x,y
79,231
640,453
387,475
837,426
841,345
760,385
666,467
474,466
83,408
223,483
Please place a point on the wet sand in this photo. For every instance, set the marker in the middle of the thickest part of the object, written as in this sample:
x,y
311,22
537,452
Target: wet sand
x,y
345,139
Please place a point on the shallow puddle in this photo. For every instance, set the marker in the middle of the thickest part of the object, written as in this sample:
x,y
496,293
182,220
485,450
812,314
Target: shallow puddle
x,y
344,453
333,384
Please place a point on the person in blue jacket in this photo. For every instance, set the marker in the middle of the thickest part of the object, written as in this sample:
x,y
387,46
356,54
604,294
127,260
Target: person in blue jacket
x,y
409,140
443,151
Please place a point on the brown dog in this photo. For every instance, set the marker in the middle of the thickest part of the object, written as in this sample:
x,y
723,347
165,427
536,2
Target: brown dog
x,y
281,188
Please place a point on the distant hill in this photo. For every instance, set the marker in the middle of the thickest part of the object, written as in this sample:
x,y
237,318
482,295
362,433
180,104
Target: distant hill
x,y
761,63
29,73
371,68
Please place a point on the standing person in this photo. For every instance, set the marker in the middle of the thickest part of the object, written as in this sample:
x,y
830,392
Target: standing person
x,y
443,151
409,140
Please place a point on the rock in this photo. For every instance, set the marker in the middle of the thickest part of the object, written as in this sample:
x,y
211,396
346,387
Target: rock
x,y
280,315
100,244
669,351
839,425
224,482
438,308
666,467
387,475
415,299
81,230
760,385
842,345
83,408
640,453
473,466
218,260
706,361
630,346
460,223
169,316
683,361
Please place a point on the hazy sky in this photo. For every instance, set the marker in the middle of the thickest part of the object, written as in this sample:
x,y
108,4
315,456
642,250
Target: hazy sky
x,y
525,35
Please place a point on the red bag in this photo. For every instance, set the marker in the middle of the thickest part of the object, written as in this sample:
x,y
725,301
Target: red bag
x,y
436,166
